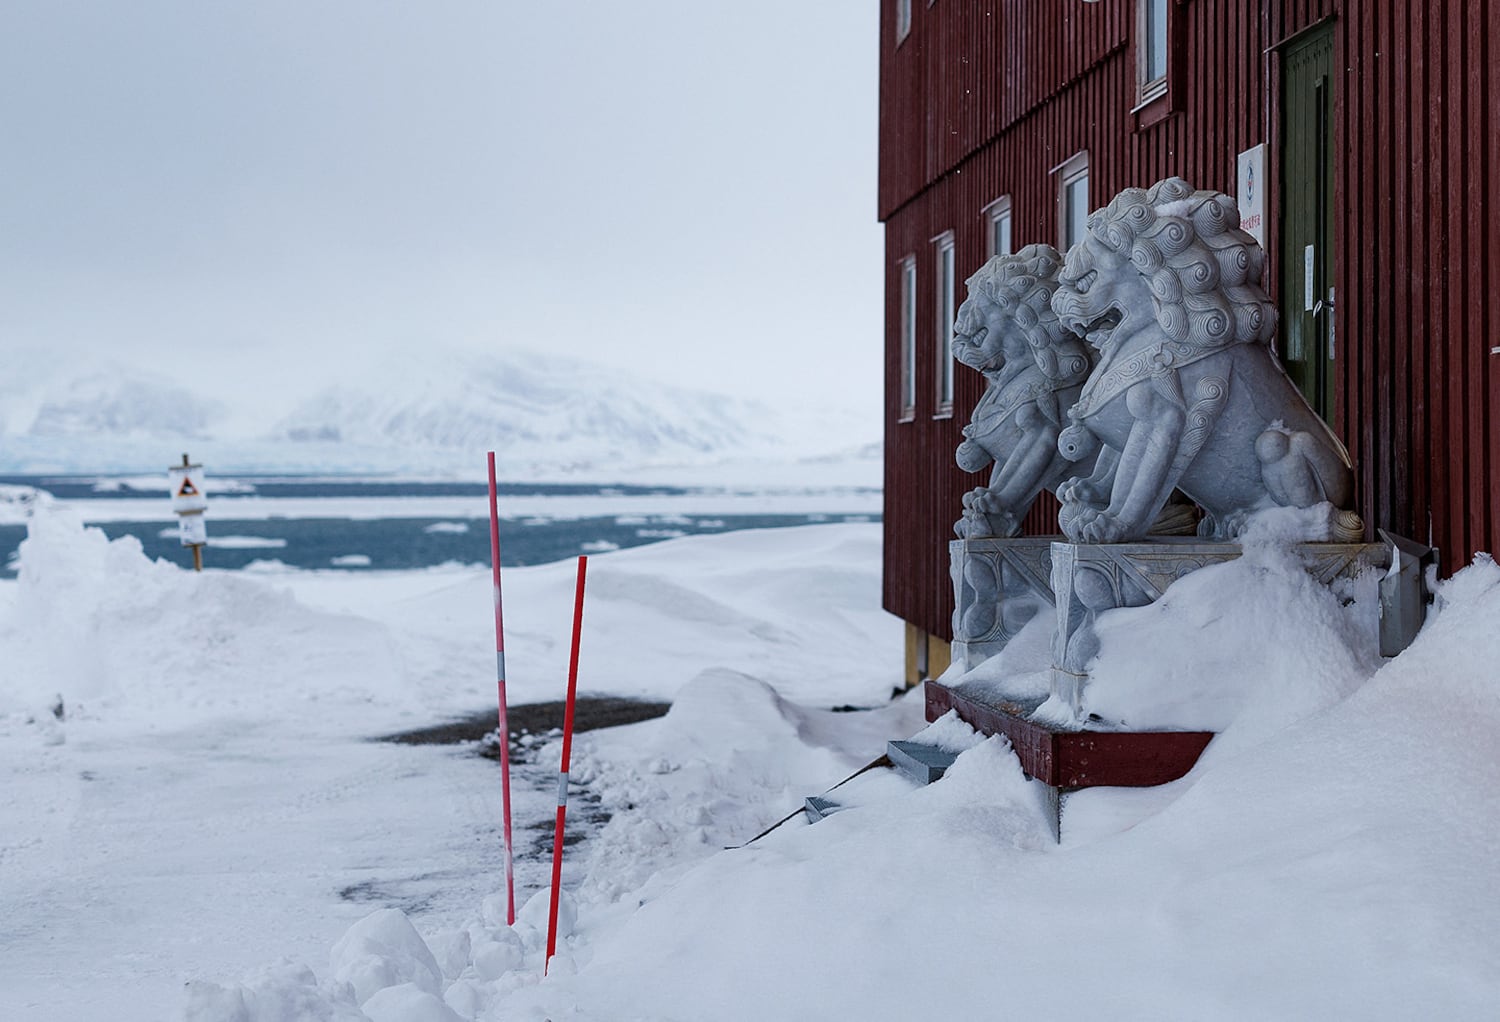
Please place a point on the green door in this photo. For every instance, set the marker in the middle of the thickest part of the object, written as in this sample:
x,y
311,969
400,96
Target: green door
x,y
1307,326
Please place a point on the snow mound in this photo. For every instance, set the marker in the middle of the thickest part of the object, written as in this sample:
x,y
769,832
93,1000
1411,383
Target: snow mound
x,y
280,994
408,1002
1242,648
384,950
716,770
98,628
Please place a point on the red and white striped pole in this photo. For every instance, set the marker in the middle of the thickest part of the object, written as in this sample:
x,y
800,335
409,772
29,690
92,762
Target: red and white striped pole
x,y
510,875
567,758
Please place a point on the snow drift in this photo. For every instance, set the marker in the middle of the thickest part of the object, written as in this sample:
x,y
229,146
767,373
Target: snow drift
x,y
1331,860
1330,856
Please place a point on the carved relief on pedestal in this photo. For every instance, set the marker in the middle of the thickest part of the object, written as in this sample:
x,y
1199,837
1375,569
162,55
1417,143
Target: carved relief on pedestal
x,y
998,585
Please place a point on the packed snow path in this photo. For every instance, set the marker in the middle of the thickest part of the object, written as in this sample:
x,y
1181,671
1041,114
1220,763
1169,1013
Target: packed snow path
x,y
130,864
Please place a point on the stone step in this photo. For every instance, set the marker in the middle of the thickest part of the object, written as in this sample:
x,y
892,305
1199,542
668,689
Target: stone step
x,y
922,763
816,808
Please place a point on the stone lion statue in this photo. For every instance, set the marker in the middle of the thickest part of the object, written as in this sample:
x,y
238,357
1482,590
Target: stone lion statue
x,y
1006,330
1187,391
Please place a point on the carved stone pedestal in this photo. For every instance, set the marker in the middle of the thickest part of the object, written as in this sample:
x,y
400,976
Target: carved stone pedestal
x,y
998,586
1089,578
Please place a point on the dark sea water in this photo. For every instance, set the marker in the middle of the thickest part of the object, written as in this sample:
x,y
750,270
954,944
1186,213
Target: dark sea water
x,y
106,488
396,543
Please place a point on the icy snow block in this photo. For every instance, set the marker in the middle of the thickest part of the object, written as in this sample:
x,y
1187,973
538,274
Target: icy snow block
x,y
816,808
1091,578
922,763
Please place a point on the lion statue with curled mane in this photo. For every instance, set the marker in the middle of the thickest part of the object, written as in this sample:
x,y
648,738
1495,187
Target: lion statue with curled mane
x,y
1034,369
1187,391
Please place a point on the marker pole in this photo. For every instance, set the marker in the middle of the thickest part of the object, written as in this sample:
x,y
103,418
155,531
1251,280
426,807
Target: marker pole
x,y
567,758
510,875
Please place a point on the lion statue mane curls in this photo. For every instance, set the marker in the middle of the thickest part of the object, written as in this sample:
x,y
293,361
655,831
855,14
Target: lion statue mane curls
x,y
1020,287
1034,368
1203,271
1187,391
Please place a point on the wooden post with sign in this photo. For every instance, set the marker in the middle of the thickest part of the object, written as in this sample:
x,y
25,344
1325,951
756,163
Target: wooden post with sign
x,y
189,501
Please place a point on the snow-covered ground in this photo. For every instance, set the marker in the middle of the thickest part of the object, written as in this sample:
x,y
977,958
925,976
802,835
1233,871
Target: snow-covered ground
x,y
209,802
207,813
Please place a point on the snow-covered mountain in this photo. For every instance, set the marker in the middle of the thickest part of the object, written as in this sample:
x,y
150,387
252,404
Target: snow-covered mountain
x,y
526,400
424,412
109,404
43,397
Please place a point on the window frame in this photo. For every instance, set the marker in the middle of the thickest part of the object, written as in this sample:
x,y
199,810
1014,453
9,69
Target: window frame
x,y
1149,89
1069,172
946,267
995,213
908,333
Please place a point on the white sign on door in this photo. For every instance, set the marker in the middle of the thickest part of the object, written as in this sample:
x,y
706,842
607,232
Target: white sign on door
x,y
1251,188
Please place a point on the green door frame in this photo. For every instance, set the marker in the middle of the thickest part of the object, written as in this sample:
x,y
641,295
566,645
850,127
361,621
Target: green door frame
x,y
1307,333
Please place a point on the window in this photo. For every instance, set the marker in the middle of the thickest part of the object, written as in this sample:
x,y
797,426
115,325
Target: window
x,y
997,224
1151,48
903,19
1072,200
908,338
943,247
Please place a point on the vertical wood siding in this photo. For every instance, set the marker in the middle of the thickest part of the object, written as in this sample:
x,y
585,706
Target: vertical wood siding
x,y
1418,134
985,99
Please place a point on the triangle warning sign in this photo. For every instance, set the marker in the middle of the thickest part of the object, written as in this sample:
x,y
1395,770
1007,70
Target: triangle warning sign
x,y
187,489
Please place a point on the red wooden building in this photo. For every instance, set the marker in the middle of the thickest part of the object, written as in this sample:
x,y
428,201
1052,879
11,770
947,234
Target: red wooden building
x,y
1003,122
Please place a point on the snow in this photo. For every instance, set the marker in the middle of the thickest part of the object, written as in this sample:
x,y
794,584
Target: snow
x,y
200,831
384,950
1270,645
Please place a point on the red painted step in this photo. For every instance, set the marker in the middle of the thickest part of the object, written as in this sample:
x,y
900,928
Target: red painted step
x,y
1076,759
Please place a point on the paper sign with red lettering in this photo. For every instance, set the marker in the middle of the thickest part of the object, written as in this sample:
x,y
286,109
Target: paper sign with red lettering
x,y
1251,188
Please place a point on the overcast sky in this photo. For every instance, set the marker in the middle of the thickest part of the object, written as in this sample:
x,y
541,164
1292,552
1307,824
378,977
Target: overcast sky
x,y
683,185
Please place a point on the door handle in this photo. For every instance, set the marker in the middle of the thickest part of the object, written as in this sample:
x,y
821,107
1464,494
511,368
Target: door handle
x,y
1328,307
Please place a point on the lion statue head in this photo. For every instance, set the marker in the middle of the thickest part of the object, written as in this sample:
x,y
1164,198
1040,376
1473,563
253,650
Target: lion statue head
x,y
1008,317
1202,272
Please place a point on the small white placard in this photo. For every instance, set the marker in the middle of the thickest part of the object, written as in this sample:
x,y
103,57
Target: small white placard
x,y
1309,259
192,529
1251,188
187,488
